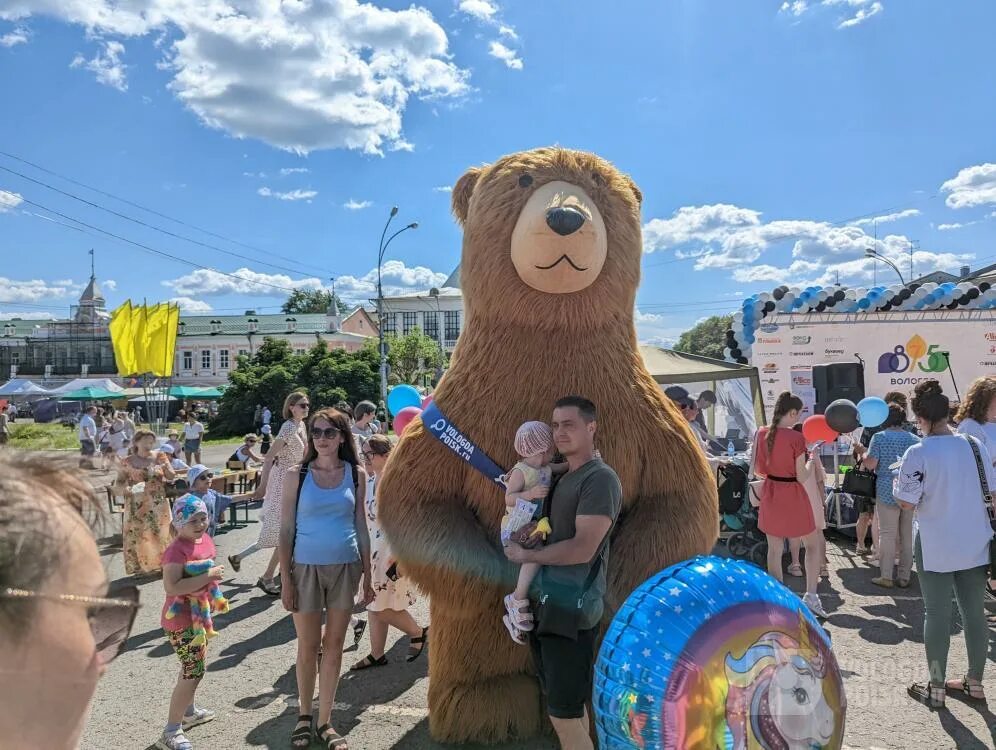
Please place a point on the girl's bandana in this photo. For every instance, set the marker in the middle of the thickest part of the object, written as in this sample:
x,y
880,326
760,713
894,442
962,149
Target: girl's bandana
x,y
185,507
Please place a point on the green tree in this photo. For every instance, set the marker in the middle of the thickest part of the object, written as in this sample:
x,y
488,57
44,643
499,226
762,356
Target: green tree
x,y
311,301
413,355
275,370
706,338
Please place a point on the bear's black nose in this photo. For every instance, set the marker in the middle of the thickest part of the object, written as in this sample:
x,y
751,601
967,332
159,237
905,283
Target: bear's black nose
x,y
564,221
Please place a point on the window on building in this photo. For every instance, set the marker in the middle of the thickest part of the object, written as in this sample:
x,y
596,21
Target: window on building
x,y
223,359
243,352
205,359
188,360
15,358
291,324
409,322
390,323
451,322
430,324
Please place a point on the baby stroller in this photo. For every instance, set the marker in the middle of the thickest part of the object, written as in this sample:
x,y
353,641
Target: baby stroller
x,y
738,515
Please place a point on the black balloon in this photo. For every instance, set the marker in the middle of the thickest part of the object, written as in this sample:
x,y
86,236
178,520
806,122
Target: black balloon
x,y
886,307
839,295
896,301
952,305
985,286
778,293
769,306
736,353
742,360
914,287
831,301
973,293
964,299
821,307
905,294
842,416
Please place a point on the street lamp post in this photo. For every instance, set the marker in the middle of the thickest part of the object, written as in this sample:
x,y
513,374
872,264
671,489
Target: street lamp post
x,y
434,292
382,248
870,253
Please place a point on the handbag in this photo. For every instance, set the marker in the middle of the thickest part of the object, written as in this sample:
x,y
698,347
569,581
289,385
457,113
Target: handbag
x,y
860,482
987,501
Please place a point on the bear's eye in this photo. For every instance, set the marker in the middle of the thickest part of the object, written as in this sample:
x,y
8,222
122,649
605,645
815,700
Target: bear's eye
x,y
525,181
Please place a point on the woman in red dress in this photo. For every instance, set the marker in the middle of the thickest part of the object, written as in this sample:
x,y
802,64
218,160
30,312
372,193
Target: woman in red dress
x,y
786,511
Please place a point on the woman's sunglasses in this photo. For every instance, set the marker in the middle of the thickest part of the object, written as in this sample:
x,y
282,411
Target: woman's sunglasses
x,y
303,404
111,618
328,433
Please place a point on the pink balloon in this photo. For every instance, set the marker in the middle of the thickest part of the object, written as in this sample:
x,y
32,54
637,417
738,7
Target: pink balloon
x,y
404,417
426,401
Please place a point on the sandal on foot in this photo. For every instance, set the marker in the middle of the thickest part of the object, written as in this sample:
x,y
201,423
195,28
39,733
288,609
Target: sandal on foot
x,y
969,691
369,661
267,587
517,635
198,717
795,569
331,738
419,641
176,741
929,695
301,736
358,630
235,562
862,550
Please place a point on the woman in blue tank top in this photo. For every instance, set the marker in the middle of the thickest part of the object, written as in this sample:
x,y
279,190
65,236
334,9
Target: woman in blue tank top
x,y
325,544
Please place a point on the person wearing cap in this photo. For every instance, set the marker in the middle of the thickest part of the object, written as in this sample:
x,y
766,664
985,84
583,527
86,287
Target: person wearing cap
x,y
173,440
247,451
174,461
199,478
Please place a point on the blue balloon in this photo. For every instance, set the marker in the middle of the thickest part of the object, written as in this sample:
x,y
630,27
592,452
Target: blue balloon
x,y
401,396
872,411
864,304
714,653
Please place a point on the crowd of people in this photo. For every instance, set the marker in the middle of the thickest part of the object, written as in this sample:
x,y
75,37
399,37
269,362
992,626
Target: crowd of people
x,y
319,517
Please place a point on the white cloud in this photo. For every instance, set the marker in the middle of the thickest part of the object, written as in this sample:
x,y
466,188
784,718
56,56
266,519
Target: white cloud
x,y
352,205
206,281
972,186
652,329
110,285
190,305
27,315
326,74
293,170
19,35
508,56
954,225
292,195
36,290
723,236
507,31
9,200
857,11
106,65
261,175
907,213
482,10
443,189
396,278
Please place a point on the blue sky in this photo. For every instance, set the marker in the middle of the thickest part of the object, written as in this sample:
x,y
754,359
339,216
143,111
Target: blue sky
x,y
766,137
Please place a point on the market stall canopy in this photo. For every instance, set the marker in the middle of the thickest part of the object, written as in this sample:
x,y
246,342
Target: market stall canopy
x,y
104,383
210,393
669,367
194,392
21,388
90,393
152,397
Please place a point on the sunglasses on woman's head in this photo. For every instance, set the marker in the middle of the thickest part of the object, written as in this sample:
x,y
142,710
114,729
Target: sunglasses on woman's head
x,y
328,433
111,618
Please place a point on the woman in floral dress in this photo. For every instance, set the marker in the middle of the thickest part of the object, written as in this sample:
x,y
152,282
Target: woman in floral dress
x,y
393,595
145,530
287,451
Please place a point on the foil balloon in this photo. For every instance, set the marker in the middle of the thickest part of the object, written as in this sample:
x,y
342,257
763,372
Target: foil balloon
x,y
714,654
711,654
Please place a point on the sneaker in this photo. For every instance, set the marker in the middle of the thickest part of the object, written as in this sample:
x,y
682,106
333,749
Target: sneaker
x,y
885,583
176,741
815,605
198,717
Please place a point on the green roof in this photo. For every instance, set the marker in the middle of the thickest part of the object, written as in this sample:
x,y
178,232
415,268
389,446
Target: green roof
x,y
203,325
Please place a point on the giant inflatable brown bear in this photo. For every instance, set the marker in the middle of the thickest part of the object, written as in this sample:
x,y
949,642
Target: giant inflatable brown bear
x,y
550,268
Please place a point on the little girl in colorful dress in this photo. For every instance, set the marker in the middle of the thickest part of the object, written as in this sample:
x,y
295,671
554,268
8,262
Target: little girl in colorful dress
x,y
526,485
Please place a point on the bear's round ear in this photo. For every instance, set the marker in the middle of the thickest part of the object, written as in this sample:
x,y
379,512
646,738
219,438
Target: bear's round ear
x,y
635,189
462,192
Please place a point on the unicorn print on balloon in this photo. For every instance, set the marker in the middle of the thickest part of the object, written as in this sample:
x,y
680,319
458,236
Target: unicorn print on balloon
x,y
775,698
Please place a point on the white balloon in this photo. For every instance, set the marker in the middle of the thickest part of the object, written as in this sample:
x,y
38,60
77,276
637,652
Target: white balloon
x,y
737,317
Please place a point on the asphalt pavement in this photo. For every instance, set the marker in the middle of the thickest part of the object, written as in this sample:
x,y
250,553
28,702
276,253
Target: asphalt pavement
x,y
877,637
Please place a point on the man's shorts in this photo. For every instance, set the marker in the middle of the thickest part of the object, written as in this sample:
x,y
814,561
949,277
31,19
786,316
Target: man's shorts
x,y
565,671
87,448
191,657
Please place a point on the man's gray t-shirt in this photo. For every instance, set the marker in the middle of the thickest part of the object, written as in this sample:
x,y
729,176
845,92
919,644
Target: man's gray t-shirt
x,y
592,490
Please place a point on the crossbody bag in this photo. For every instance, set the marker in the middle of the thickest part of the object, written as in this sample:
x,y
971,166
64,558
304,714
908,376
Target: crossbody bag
x,y
987,501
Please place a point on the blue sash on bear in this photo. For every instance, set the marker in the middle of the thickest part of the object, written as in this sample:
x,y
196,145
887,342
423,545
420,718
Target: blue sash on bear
x,y
463,447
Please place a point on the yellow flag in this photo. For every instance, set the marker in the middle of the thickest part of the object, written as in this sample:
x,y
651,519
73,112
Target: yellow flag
x,y
169,351
139,335
122,339
159,353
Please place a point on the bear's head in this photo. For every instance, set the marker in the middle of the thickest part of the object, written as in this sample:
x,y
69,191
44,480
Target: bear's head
x,y
551,237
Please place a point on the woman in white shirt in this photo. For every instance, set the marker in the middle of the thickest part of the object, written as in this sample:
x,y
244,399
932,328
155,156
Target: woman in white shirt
x,y
977,415
939,477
